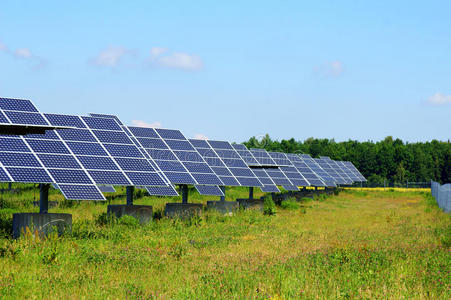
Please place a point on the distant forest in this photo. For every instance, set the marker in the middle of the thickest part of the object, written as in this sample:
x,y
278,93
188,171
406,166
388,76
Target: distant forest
x,y
391,159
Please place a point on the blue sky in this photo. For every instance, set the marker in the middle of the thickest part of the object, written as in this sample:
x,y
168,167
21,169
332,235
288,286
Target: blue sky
x,y
328,69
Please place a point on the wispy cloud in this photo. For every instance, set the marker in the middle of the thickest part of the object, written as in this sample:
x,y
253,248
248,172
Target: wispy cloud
x,y
160,57
330,69
36,62
439,99
111,56
200,136
140,123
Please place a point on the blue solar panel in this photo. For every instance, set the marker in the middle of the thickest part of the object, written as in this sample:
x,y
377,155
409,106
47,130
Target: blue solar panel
x,y
3,176
250,182
27,118
220,145
180,178
152,143
314,167
110,177
139,178
229,181
188,156
112,137
106,188
291,187
269,189
221,171
234,163
29,175
195,167
47,146
59,161
134,164
17,104
123,150
82,148
246,172
161,154
166,165
13,145
263,157
239,147
74,176
206,178
162,190
76,192
98,163
143,132
81,135
65,120
199,143
106,116
280,158
281,181
3,118
102,123
48,135
19,160
170,134
227,153
216,162
179,145
210,190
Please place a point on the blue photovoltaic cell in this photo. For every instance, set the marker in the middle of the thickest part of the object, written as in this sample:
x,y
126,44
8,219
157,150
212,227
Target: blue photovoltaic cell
x,y
221,171
19,160
17,104
250,182
216,162
3,118
263,157
220,145
246,172
3,176
26,118
143,132
206,178
188,156
199,143
179,145
152,143
74,176
161,154
229,181
134,164
59,161
76,192
139,178
48,135
340,171
180,178
207,153
210,190
81,135
173,165
162,190
110,177
234,163
348,172
106,188
106,116
351,166
316,168
197,167
12,144
97,163
112,137
47,146
281,181
239,147
29,175
170,134
82,148
227,153
290,187
280,158
270,189
102,123
65,120
123,150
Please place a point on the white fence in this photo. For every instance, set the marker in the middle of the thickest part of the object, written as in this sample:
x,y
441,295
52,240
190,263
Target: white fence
x,y
442,194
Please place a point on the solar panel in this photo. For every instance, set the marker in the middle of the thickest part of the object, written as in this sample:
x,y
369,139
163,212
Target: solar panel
x,y
351,166
162,190
20,112
312,178
105,151
107,188
226,163
316,168
262,157
210,190
175,156
348,172
330,170
339,170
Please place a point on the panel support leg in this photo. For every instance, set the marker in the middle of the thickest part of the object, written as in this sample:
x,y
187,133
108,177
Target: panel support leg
x,y
251,192
184,188
130,190
44,198
222,198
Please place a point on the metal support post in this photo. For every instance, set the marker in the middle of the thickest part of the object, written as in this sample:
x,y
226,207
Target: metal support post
x,y
251,192
129,191
222,198
184,193
44,198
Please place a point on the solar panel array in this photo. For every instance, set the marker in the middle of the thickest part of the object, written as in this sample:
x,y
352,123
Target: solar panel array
x,y
99,152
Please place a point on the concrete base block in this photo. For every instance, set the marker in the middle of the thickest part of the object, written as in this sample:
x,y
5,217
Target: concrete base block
x,y
251,203
43,224
223,207
143,213
183,210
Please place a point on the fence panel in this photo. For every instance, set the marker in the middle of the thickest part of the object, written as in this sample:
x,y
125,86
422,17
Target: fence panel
x,y
442,194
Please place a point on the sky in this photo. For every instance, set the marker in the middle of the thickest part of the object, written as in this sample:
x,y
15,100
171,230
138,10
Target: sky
x,y
230,70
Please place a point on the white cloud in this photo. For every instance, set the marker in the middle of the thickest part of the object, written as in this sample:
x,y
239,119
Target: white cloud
x,y
439,99
330,69
23,53
157,51
3,47
200,136
180,60
110,57
140,123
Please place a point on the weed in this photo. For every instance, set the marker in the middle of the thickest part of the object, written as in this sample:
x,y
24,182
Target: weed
x,y
290,204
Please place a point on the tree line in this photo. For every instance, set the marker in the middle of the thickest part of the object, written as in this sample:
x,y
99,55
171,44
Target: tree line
x,y
390,159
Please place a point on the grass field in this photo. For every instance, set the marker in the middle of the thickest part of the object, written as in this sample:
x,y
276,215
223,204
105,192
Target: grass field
x,y
358,244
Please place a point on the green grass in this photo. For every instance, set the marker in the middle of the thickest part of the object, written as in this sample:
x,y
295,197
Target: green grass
x,y
353,245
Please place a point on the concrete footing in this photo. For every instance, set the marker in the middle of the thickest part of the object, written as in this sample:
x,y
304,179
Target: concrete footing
x,y
223,207
42,224
251,203
143,213
183,210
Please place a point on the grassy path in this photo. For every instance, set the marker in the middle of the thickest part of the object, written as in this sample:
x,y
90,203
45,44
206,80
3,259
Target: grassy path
x,y
381,244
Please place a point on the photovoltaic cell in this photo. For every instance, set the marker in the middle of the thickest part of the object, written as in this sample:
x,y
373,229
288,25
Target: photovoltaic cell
x,y
316,168
162,190
209,190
